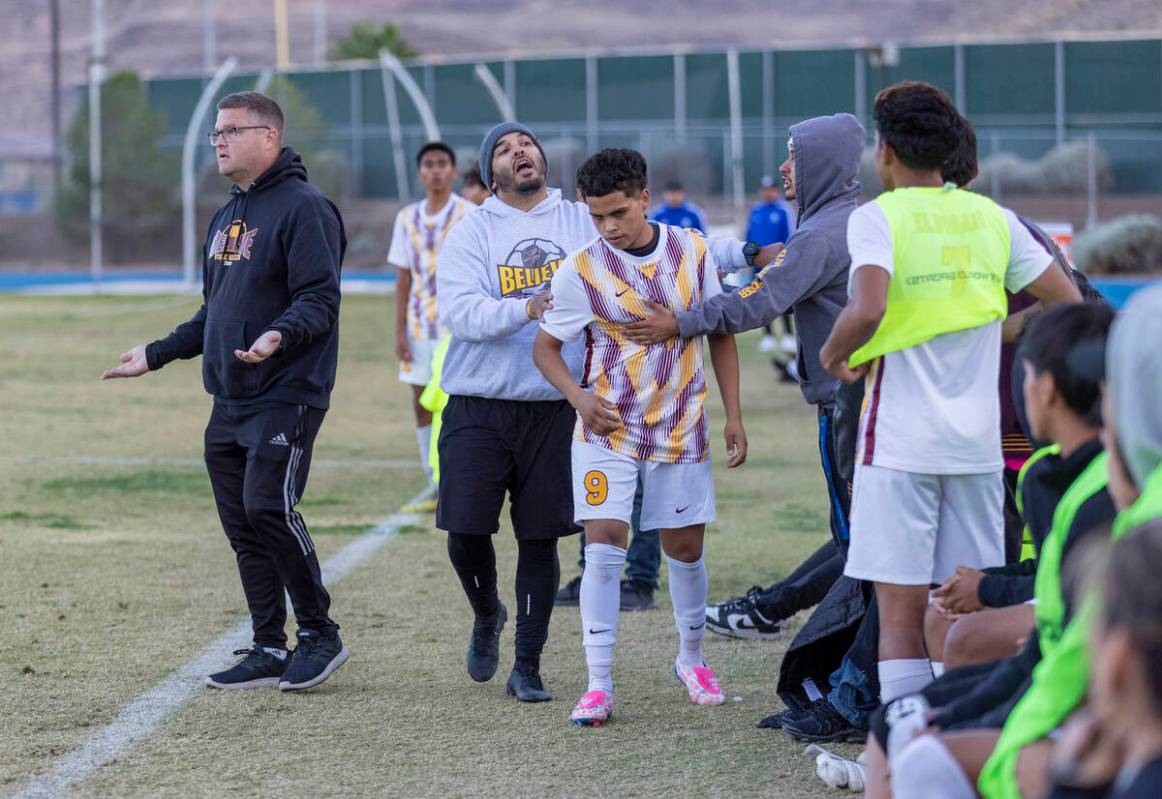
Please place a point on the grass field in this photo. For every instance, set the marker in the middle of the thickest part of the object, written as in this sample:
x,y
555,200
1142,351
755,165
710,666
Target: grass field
x,y
114,572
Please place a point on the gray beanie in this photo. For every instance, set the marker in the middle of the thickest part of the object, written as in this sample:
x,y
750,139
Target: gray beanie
x,y
489,145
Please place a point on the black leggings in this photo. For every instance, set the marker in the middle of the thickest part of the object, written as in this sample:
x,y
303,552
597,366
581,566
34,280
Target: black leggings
x,y
538,575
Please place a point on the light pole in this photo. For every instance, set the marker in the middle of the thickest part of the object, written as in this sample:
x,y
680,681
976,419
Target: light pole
x,y
209,36
96,75
320,32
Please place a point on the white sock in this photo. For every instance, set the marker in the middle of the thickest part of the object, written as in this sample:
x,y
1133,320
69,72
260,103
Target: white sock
x,y
926,768
937,669
837,771
424,439
905,717
600,606
278,653
900,677
688,583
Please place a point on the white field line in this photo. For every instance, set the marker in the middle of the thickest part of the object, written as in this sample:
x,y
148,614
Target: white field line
x,y
150,710
85,460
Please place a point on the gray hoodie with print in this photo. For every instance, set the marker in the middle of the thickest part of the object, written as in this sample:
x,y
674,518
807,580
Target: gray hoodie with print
x,y
810,276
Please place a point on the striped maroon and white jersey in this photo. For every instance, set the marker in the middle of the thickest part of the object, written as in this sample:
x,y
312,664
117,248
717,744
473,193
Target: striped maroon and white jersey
x,y
416,240
660,389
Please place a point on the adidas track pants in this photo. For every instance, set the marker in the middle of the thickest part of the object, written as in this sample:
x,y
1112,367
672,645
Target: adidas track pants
x,y
258,459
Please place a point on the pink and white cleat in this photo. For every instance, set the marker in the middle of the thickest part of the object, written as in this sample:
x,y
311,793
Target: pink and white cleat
x,y
593,709
700,683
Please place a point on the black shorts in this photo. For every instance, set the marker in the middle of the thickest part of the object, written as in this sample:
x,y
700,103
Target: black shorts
x,y
490,447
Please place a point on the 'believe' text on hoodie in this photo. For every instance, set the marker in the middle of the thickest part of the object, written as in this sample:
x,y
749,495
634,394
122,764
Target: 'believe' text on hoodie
x,y
271,261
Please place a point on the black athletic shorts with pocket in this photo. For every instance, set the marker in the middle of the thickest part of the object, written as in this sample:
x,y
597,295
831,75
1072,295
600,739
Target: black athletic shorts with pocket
x,y
490,447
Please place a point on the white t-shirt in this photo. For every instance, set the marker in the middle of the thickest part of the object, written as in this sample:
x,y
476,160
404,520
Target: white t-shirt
x,y
935,408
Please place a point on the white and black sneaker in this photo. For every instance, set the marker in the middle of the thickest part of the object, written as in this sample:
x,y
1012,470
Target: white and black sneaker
x,y
259,669
740,617
316,656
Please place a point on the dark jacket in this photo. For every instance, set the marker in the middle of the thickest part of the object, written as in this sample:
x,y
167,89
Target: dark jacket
x,y
1045,483
271,261
810,276
990,702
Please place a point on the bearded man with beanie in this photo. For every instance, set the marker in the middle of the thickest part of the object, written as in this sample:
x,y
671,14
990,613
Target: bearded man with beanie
x,y
506,430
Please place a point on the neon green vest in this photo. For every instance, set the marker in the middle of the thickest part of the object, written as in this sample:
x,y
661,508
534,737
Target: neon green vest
x,y
1050,610
433,399
1146,508
950,252
1059,681
1028,552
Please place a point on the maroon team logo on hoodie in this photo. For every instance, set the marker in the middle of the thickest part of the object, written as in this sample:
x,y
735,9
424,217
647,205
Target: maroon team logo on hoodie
x,y
233,243
529,267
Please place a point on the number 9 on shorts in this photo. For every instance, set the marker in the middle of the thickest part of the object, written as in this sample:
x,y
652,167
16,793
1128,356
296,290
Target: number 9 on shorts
x,y
596,487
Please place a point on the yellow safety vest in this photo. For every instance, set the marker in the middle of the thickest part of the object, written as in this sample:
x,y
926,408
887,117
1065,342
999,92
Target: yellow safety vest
x,y
950,251
433,399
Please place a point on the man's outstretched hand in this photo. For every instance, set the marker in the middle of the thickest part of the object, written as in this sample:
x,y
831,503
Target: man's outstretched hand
x,y
133,364
266,345
651,330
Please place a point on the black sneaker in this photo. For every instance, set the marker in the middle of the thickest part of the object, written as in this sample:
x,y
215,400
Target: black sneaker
x,y
484,645
259,669
740,617
636,596
570,593
775,721
316,656
525,684
823,723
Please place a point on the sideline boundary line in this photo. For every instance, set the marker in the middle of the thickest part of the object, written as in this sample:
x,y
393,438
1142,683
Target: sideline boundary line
x,y
150,710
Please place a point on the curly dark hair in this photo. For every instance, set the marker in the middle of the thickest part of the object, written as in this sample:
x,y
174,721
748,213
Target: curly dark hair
x,y
962,166
612,169
919,122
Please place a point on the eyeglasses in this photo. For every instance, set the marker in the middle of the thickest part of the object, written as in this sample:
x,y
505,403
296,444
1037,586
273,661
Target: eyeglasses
x,y
231,133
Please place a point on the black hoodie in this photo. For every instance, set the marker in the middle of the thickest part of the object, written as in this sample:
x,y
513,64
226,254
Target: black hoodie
x,y
271,261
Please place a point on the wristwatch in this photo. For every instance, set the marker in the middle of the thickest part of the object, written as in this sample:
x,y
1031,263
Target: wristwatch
x,y
750,251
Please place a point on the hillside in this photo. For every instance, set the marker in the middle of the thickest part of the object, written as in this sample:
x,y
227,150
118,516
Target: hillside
x,y
158,37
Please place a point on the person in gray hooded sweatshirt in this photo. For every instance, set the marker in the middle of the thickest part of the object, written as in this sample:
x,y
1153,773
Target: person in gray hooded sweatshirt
x,y
506,430
809,278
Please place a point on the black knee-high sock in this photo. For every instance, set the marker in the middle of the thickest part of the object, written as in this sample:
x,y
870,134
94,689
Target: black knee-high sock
x,y
474,560
538,576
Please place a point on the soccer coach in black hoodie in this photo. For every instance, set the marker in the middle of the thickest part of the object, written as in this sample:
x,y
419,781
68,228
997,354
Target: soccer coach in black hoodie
x,y
268,335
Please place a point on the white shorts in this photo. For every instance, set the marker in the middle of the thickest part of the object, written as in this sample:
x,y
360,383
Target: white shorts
x,y
418,371
915,529
674,495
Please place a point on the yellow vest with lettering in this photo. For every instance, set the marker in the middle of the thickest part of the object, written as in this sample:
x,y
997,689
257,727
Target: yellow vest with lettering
x,y
950,253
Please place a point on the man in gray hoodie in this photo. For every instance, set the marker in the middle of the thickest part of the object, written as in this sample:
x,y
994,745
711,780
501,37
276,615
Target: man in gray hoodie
x,y
809,278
